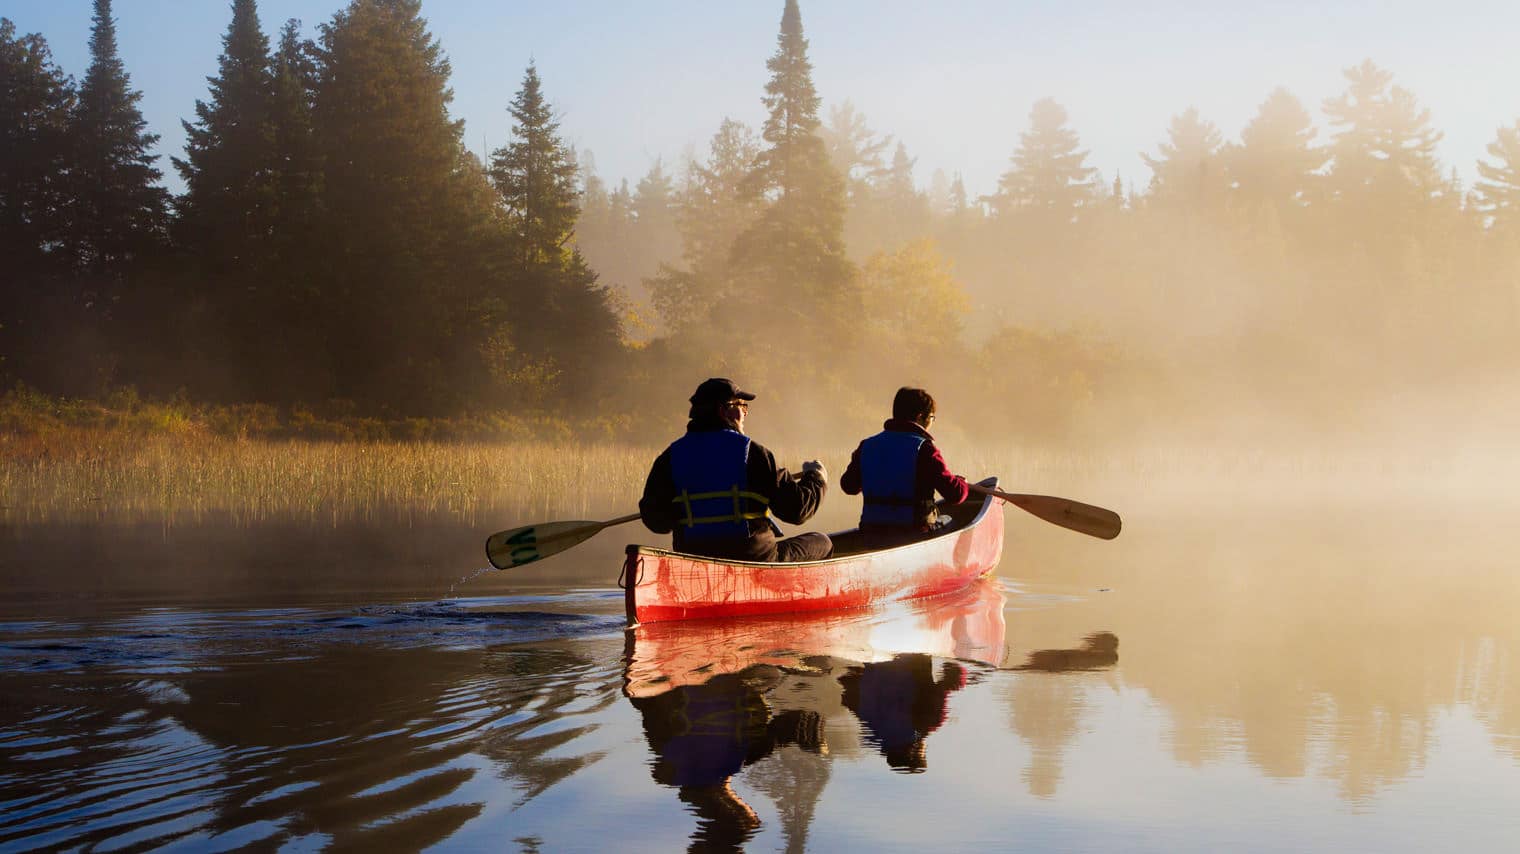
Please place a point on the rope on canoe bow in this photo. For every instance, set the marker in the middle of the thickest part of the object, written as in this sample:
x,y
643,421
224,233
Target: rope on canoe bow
x,y
633,571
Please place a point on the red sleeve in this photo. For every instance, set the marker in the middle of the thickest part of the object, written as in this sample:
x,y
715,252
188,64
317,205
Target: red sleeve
x,y
933,470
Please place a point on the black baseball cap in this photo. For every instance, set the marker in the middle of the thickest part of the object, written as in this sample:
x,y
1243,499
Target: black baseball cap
x,y
719,390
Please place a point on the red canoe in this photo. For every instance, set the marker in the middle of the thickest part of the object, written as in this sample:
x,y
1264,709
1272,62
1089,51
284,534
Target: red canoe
x,y
665,585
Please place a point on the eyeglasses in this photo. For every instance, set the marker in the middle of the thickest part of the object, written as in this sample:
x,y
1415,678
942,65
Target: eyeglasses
x,y
739,404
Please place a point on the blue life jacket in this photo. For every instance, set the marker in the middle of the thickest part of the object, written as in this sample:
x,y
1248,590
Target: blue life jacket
x,y
888,474
710,471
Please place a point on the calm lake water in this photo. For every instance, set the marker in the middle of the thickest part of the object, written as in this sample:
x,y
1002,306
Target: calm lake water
x,y
1326,672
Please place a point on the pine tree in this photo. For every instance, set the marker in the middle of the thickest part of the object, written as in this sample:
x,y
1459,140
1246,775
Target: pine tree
x,y
1384,152
1276,162
535,175
558,308
792,261
119,212
854,149
1498,194
1188,172
905,210
715,208
36,99
403,230
656,238
1049,175
297,164
229,163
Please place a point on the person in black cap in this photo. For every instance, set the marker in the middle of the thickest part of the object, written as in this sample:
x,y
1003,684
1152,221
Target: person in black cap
x,y
716,490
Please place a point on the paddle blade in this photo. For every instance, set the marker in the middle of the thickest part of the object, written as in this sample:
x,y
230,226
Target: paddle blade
x,y
507,549
1082,518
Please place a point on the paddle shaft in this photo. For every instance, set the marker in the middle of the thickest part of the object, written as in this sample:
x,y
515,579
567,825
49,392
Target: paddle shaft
x,y
1086,519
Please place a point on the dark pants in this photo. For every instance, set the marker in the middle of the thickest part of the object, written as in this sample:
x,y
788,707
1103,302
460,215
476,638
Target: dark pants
x,y
810,546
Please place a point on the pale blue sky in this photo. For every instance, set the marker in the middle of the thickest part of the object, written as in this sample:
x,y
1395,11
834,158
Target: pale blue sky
x,y
953,80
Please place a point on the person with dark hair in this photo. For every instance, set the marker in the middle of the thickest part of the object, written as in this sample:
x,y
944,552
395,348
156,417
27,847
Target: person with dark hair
x,y
900,469
716,490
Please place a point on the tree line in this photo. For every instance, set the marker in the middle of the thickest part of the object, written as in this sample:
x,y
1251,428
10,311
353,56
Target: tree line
x,y
337,244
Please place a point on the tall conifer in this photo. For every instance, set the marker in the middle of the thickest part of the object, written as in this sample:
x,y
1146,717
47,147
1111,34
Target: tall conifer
x,y
1049,173
1276,160
36,98
229,150
535,174
35,102
1187,171
791,263
556,306
119,211
400,220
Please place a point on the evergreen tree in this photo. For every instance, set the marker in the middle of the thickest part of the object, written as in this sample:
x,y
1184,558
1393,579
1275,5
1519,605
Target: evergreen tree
x,y
561,311
715,208
1049,176
1188,172
1384,151
535,175
904,210
119,211
854,149
792,260
297,167
229,163
404,234
36,99
656,239
1276,162
35,103
1497,195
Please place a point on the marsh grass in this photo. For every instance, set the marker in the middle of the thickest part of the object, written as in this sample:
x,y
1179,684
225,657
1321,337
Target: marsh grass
x,y
113,476
178,473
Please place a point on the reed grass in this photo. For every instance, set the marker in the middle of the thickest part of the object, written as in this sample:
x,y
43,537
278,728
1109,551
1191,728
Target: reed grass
x,y
113,476
180,473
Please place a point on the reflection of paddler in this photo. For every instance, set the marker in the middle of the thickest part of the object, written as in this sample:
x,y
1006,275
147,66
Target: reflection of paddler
x,y
900,702
703,734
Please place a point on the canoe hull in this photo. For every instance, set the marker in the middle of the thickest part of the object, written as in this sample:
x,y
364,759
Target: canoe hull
x,y
663,585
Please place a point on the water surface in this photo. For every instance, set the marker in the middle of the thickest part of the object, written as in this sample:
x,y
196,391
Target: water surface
x,y
1280,676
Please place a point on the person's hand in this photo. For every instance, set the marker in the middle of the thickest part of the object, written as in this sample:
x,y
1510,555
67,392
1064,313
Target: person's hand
x,y
814,465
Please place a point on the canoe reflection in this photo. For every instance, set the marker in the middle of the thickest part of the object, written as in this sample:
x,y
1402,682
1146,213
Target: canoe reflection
x,y
780,698
718,696
966,625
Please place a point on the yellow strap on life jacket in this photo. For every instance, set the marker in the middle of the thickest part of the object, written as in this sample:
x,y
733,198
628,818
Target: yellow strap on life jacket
x,y
734,492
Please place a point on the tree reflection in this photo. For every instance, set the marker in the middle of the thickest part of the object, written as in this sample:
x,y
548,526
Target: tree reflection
x,y
1047,712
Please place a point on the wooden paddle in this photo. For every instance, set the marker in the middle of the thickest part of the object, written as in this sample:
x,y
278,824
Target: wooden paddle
x,y
506,549
1079,517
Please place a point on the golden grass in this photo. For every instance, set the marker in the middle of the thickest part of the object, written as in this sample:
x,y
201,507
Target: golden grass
x,y
112,476
107,474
